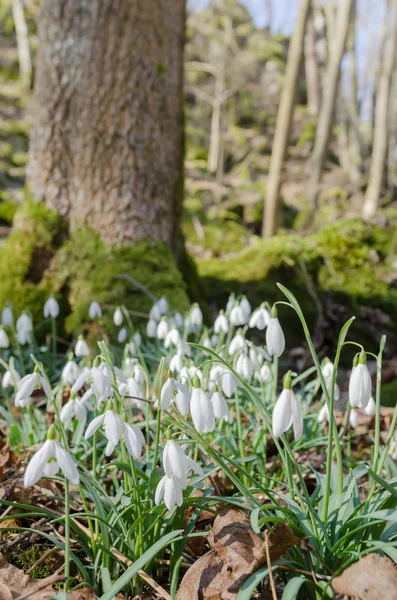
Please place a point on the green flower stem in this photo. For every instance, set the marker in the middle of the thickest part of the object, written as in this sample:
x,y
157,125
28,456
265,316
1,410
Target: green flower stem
x,y
158,421
54,344
378,398
67,537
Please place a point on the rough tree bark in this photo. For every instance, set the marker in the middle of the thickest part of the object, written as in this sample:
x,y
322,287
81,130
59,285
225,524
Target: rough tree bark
x,y
380,146
284,116
107,142
326,115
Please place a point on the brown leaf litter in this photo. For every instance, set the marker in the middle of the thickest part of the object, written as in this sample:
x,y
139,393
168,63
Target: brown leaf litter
x,y
373,577
236,553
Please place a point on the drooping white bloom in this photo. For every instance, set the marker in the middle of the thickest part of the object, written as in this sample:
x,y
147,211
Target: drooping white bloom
x,y
118,317
137,339
176,363
75,408
173,338
47,461
370,409
162,305
7,317
195,317
221,376
201,409
81,348
353,418
221,325
122,335
245,308
327,370
162,329
275,340
178,320
70,373
176,466
219,404
111,424
151,328
245,366
11,378
237,343
237,316
29,383
24,328
287,412
4,340
95,311
264,374
51,308
174,392
260,318
155,313
360,383
323,414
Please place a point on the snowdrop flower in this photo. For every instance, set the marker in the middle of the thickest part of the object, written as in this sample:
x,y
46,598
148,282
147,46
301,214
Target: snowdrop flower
x,y
178,320
323,414
7,317
170,491
118,317
275,340
27,385
122,335
201,409
162,329
24,328
195,317
4,340
173,338
260,318
137,339
360,383
151,328
370,409
287,411
219,404
176,363
11,378
48,460
95,311
221,325
327,369
223,377
244,366
51,308
245,308
353,418
237,343
70,373
162,306
111,424
75,408
264,374
81,348
155,313
174,392
237,316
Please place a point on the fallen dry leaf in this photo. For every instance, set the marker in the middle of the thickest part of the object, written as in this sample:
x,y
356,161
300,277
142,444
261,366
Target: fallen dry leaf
x,y
371,578
237,552
14,583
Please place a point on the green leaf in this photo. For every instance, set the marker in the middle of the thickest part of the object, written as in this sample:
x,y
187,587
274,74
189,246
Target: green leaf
x,y
249,586
139,564
292,588
387,486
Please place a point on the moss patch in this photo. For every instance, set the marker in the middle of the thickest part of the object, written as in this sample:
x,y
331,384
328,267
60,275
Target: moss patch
x,y
349,264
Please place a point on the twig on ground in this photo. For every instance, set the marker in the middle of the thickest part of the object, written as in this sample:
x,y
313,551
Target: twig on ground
x,y
269,566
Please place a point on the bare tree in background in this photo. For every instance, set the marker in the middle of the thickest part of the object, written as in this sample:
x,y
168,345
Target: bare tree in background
x,y
284,116
380,145
312,71
21,33
326,115
107,142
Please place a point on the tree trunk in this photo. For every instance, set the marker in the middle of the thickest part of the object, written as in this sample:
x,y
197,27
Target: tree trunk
x,y
21,33
107,142
284,116
326,115
311,70
379,151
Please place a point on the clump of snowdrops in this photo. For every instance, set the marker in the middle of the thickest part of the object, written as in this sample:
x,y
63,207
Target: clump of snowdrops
x,y
142,424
